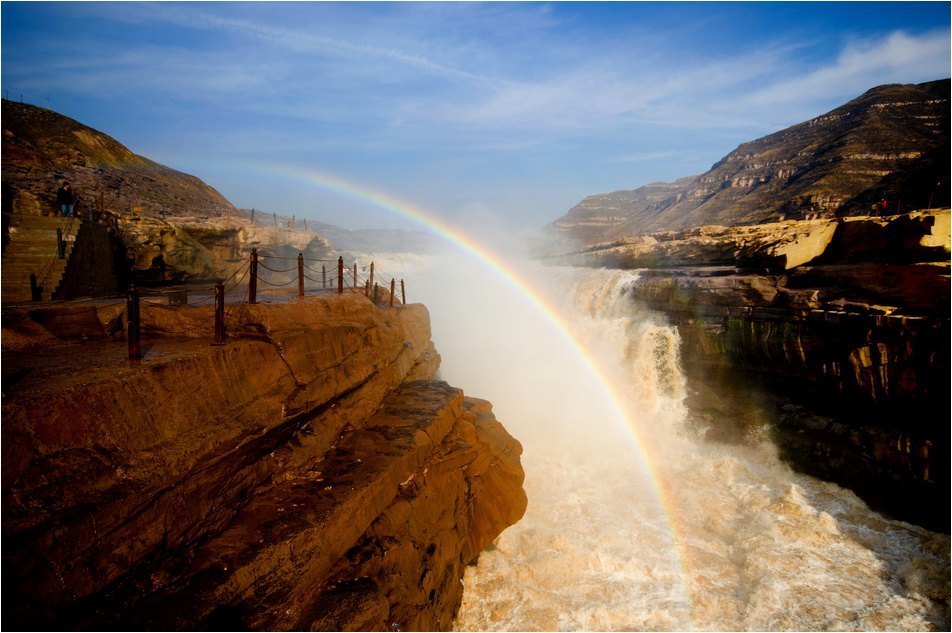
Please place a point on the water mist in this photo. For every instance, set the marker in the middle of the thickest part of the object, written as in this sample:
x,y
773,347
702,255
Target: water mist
x,y
634,523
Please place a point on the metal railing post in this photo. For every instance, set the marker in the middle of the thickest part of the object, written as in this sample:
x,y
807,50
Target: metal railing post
x,y
393,290
376,293
35,291
253,280
219,312
371,279
340,275
403,292
300,274
323,276
355,275
133,327
60,243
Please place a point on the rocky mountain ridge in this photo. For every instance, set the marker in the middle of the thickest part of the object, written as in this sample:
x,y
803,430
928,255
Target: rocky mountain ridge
x,y
891,143
42,148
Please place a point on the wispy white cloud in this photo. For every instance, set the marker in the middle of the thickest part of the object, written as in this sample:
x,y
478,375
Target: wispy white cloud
x,y
311,41
863,64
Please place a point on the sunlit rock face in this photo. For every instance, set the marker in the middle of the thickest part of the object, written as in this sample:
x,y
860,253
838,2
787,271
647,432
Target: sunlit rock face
x,y
309,473
890,143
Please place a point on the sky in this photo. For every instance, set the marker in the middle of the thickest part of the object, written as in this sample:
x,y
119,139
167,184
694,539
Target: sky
x,y
480,113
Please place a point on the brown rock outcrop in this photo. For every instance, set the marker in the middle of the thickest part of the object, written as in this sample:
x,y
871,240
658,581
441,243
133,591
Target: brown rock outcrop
x,y
196,248
920,236
234,486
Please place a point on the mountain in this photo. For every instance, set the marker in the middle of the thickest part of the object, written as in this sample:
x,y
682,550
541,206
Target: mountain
x,y
42,148
890,143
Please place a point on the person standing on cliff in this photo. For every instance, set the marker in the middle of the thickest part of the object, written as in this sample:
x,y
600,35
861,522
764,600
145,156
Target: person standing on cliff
x,y
64,198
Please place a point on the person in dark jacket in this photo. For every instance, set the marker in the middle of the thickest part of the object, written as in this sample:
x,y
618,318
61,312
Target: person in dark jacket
x,y
64,198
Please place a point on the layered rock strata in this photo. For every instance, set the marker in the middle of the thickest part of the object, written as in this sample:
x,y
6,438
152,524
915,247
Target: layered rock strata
x,y
889,145
307,474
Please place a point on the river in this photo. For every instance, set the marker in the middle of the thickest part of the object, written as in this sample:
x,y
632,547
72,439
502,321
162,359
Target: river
x,y
634,521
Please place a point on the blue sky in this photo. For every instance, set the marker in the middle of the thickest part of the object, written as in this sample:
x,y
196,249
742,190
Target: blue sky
x,y
476,112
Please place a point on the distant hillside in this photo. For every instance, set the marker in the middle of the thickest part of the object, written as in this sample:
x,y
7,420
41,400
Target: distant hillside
x,y
41,149
891,143
353,240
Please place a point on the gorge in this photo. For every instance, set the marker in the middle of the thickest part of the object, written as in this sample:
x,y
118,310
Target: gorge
x,y
676,392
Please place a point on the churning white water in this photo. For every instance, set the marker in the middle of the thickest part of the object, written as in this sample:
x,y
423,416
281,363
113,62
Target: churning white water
x,y
639,524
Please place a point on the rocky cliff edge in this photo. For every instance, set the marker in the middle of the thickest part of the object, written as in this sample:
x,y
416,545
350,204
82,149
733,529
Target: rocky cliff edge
x,y
307,474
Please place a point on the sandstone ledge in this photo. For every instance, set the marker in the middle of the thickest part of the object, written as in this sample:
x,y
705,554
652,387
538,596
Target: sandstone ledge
x,y
228,485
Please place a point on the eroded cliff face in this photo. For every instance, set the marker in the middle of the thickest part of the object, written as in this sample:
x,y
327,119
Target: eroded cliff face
x,y
840,327
178,249
309,473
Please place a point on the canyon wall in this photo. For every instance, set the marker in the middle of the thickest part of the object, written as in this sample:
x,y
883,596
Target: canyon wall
x,y
837,329
310,473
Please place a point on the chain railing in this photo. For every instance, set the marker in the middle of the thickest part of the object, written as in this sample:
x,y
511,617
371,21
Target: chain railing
x,y
342,280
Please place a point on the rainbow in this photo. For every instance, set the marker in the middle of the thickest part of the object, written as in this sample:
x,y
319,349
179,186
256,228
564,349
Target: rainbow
x,y
498,265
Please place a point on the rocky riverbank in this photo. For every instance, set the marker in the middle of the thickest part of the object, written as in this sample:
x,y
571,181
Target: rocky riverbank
x,y
309,473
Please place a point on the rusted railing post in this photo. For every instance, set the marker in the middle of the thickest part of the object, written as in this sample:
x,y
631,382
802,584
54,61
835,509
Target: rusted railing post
x,y
355,275
393,290
403,292
219,313
340,275
323,276
60,243
133,327
376,293
300,274
367,288
371,279
253,280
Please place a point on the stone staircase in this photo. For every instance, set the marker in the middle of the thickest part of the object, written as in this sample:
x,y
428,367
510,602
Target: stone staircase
x,y
33,249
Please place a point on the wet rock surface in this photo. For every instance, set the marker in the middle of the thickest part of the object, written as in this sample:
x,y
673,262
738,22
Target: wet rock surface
x,y
235,486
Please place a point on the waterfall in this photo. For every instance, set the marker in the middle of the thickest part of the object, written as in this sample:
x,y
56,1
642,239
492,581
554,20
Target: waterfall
x,y
638,523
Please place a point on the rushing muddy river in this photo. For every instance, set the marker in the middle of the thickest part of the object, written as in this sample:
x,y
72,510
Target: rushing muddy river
x,y
635,522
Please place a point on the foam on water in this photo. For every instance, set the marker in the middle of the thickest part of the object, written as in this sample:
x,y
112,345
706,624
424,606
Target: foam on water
x,y
756,546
